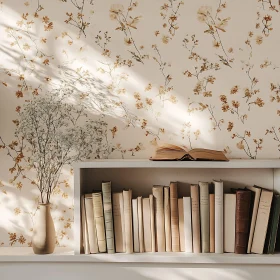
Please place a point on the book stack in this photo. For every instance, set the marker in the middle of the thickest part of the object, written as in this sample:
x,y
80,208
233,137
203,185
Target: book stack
x,y
242,222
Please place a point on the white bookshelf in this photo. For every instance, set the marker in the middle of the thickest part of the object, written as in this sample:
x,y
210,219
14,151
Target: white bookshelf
x,y
141,175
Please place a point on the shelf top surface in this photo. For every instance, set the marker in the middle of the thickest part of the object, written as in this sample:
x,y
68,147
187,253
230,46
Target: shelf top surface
x,y
144,163
65,255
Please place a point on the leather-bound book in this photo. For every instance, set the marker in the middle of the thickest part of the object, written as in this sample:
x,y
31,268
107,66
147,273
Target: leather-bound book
x,y
242,221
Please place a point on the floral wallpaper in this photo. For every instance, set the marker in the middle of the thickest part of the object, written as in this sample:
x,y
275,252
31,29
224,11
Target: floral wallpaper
x,y
199,73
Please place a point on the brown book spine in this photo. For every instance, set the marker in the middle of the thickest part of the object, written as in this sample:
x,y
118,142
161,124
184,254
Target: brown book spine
x,y
195,218
175,239
242,221
212,222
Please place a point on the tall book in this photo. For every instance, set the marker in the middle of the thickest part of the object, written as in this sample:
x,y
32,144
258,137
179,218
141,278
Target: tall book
x,y
99,221
135,224
181,224
119,222
159,218
257,191
273,225
127,198
212,222
229,222
147,225
140,224
175,239
195,218
204,217
219,219
153,230
84,226
108,216
262,222
167,219
188,224
242,221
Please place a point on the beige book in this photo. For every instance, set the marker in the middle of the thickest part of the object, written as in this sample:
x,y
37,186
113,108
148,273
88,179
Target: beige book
x,y
229,222
167,220
108,216
204,217
147,225
140,227
84,226
135,225
153,230
181,224
262,222
175,238
159,218
187,224
257,192
195,218
219,217
119,222
99,221
127,198
212,222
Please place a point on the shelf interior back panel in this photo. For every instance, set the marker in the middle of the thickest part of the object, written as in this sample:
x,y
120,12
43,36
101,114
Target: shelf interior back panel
x,y
141,180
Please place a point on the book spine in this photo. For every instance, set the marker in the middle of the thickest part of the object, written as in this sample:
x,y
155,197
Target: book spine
x,y
175,239
84,227
99,221
147,225
212,222
204,216
181,224
118,222
262,222
108,216
140,227
187,224
195,218
167,220
242,221
153,232
135,225
159,218
219,218
229,222
127,196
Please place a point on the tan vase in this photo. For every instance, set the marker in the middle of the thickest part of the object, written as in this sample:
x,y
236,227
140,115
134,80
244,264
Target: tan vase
x,y
43,240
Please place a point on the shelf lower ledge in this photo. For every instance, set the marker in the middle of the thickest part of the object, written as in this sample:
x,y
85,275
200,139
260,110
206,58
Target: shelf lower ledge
x,y
64,255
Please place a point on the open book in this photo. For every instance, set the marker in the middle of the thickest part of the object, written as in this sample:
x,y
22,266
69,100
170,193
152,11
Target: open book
x,y
173,152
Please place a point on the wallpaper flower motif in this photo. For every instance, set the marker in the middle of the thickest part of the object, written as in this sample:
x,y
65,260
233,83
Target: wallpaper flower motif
x,y
200,73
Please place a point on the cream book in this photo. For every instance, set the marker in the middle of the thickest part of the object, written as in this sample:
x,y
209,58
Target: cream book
x,y
159,218
153,230
167,219
257,191
99,221
229,222
84,227
195,218
108,216
219,219
119,222
187,224
204,217
135,224
262,222
212,222
181,224
147,225
140,224
175,238
127,197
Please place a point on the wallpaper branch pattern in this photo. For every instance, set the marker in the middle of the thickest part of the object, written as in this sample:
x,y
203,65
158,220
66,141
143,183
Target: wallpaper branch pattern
x,y
200,73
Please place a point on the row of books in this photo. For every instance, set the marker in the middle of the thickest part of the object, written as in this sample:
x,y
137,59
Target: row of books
x,y
243,221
